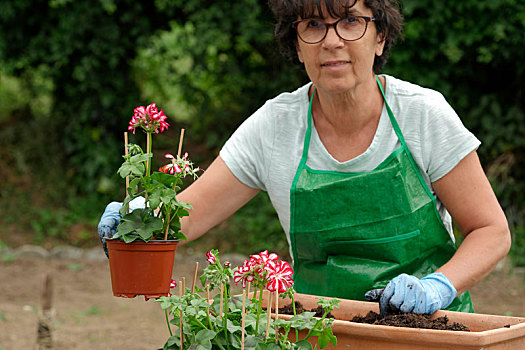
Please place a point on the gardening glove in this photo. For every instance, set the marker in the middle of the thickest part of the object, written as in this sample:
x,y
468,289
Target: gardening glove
x,y
407,293
109,221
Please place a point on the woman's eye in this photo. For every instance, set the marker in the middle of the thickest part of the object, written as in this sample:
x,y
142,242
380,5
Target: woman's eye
x,y
350,20
315,24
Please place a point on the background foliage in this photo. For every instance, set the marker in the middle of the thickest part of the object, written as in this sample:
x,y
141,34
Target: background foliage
x,y
71,72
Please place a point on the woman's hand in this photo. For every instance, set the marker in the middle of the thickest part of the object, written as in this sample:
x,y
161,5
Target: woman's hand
x,y
470,200
107,226
407,293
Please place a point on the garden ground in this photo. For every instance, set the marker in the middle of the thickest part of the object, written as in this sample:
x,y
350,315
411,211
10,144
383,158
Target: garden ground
x,y
87,316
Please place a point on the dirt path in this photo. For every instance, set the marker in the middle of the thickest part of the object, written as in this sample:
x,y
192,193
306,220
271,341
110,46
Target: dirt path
x,y
89,317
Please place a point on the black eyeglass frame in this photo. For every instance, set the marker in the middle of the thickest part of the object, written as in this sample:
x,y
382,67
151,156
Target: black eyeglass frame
x,y
328,25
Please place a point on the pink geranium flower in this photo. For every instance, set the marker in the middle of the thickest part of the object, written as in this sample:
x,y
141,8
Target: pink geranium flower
x,y
149,118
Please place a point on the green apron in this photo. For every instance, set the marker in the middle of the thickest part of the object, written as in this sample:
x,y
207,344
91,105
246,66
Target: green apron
x,y
352,232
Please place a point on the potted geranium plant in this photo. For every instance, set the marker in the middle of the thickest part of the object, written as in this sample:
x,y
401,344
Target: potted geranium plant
x,y
240,322
141,252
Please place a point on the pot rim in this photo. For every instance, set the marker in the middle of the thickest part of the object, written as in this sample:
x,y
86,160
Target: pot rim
x,y
141,241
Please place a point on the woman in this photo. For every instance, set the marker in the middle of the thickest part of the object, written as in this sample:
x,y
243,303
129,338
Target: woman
x,y
363,170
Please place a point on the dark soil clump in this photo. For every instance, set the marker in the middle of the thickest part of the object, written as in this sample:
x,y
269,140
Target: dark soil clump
x,y
299,308
411,320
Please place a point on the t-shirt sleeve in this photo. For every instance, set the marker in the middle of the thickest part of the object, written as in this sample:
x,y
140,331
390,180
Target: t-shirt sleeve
x,y
446,141
247,152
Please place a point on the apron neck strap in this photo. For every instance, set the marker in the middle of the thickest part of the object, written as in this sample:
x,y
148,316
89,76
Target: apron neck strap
x,y
308,134
391,116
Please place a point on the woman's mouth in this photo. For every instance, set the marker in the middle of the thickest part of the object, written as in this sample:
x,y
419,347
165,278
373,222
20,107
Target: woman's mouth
x,y
334,63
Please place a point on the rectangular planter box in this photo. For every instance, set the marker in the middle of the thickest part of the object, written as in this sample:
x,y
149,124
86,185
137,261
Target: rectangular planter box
x,y
487,331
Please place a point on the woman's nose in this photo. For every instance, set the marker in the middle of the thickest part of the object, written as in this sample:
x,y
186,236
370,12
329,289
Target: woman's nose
x,y
332,39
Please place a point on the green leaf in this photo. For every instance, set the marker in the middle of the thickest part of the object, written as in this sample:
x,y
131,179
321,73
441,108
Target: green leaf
x,y
165,179
323,341
231,327
139,222
261,346
127,169
328,332
172,343
133,186
205,335
303,345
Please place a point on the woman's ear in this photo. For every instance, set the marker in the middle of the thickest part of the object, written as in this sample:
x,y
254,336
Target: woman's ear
x,y
380,44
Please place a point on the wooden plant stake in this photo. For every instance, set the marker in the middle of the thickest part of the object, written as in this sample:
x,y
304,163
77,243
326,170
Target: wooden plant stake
x,y
180,142
276,313
127,177
174,163
195,276
167,229
269,311
183,285
243,317
208,293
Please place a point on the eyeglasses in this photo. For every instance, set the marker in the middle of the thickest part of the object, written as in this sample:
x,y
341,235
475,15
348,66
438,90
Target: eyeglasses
x,y
313,31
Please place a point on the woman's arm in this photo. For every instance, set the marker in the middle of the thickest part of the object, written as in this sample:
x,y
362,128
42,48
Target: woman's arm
x,y
466,193
215,196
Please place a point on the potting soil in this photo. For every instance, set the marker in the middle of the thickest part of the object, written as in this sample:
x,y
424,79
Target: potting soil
x,y
411,320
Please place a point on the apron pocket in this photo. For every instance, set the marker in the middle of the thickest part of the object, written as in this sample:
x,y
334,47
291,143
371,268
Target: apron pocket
x,y
399,249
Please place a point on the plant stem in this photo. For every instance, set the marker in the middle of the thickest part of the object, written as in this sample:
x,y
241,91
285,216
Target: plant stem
x,y
198,322
259,309
295,314
225,316
149,146
286,337
168,321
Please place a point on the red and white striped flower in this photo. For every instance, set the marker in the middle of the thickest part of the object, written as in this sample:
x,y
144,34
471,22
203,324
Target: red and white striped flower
x,y
210,257
243,274
279,276
172,167
180,166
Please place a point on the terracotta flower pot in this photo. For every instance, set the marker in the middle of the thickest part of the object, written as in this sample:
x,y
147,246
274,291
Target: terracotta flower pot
x,y
487,331
140,268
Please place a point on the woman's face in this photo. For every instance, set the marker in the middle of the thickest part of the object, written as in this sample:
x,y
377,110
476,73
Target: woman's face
x,y
338,66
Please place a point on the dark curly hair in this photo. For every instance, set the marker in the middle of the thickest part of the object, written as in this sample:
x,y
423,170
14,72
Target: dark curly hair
x,y
389,21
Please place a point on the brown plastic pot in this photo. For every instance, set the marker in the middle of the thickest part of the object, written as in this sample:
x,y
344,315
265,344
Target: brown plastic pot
x,y
140,268
487,331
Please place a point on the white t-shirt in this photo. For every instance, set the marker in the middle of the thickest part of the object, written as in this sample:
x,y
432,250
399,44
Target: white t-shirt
x,y
264,152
